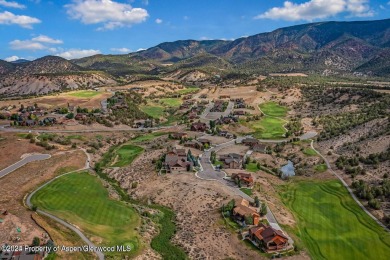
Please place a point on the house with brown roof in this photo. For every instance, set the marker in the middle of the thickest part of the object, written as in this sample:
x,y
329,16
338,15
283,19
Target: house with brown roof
x,y
204,141
244,178
198,127
243,210
179,136
193,144
268,238
250,141
259,147
231,160
176,161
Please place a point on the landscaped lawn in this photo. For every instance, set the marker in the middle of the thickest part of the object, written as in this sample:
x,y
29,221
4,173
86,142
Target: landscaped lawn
x,y
273,109
154,111
247,191
251,167
126,154
84,93
309,152
82,200
267,128
320,167
331,224
171,102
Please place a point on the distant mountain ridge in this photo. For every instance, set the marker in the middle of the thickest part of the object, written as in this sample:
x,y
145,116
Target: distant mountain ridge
x,y
327,48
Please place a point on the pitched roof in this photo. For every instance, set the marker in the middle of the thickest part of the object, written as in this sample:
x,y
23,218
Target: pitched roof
x,y
267,234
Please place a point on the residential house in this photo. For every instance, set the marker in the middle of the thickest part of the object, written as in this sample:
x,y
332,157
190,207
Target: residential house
x,y
239,113
204,141
259,147
231,160
176,161
268,238
199,127
179,136
245,179
226,134
243,210
80,117
250,141
194,144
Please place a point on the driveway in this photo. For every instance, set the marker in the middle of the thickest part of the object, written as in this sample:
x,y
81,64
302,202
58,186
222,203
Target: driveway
x,y
24,161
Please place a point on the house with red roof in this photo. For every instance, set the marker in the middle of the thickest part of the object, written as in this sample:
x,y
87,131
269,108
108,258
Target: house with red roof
x,y
268,238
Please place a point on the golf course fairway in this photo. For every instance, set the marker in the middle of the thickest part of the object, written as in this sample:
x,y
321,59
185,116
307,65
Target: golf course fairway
x,y
331,224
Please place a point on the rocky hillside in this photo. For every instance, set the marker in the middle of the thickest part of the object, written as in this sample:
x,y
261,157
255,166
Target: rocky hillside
x,y
326,47
46,75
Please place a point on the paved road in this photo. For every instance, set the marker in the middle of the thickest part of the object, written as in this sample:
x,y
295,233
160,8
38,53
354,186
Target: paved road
x,y
348,188
7,128
24,161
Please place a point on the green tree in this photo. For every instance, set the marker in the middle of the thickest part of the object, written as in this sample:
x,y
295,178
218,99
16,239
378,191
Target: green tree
x,y
263,209
257,201
36,241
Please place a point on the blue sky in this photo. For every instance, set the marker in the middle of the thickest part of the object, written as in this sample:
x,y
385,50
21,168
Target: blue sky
x,y
75,28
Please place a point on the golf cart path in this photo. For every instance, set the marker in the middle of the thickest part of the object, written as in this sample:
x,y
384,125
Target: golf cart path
x,y
347,187
59,220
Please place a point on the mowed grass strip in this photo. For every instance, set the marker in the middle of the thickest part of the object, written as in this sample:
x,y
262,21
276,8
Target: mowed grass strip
x,y
82,200
331,224
273,109
267,128
309,152
84,93
126,154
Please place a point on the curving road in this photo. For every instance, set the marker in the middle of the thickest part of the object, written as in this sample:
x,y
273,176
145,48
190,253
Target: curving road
x,y
24,161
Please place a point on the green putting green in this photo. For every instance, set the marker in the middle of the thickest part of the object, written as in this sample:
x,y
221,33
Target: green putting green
x,y
126,154
82,200
273,109
84,93
331,224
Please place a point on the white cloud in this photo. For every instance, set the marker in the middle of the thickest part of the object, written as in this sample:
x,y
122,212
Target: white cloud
x,y
77,53
37,43
158,21
12,58
21,20
46,39
12,4
122,50
204,38
27,45
317,9
107,12
141,49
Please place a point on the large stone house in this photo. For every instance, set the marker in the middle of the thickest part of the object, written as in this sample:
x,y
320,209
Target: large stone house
x,y
176,161
268,238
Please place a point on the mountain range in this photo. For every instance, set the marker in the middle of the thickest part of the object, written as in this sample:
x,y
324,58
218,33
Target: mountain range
x,y
361,48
